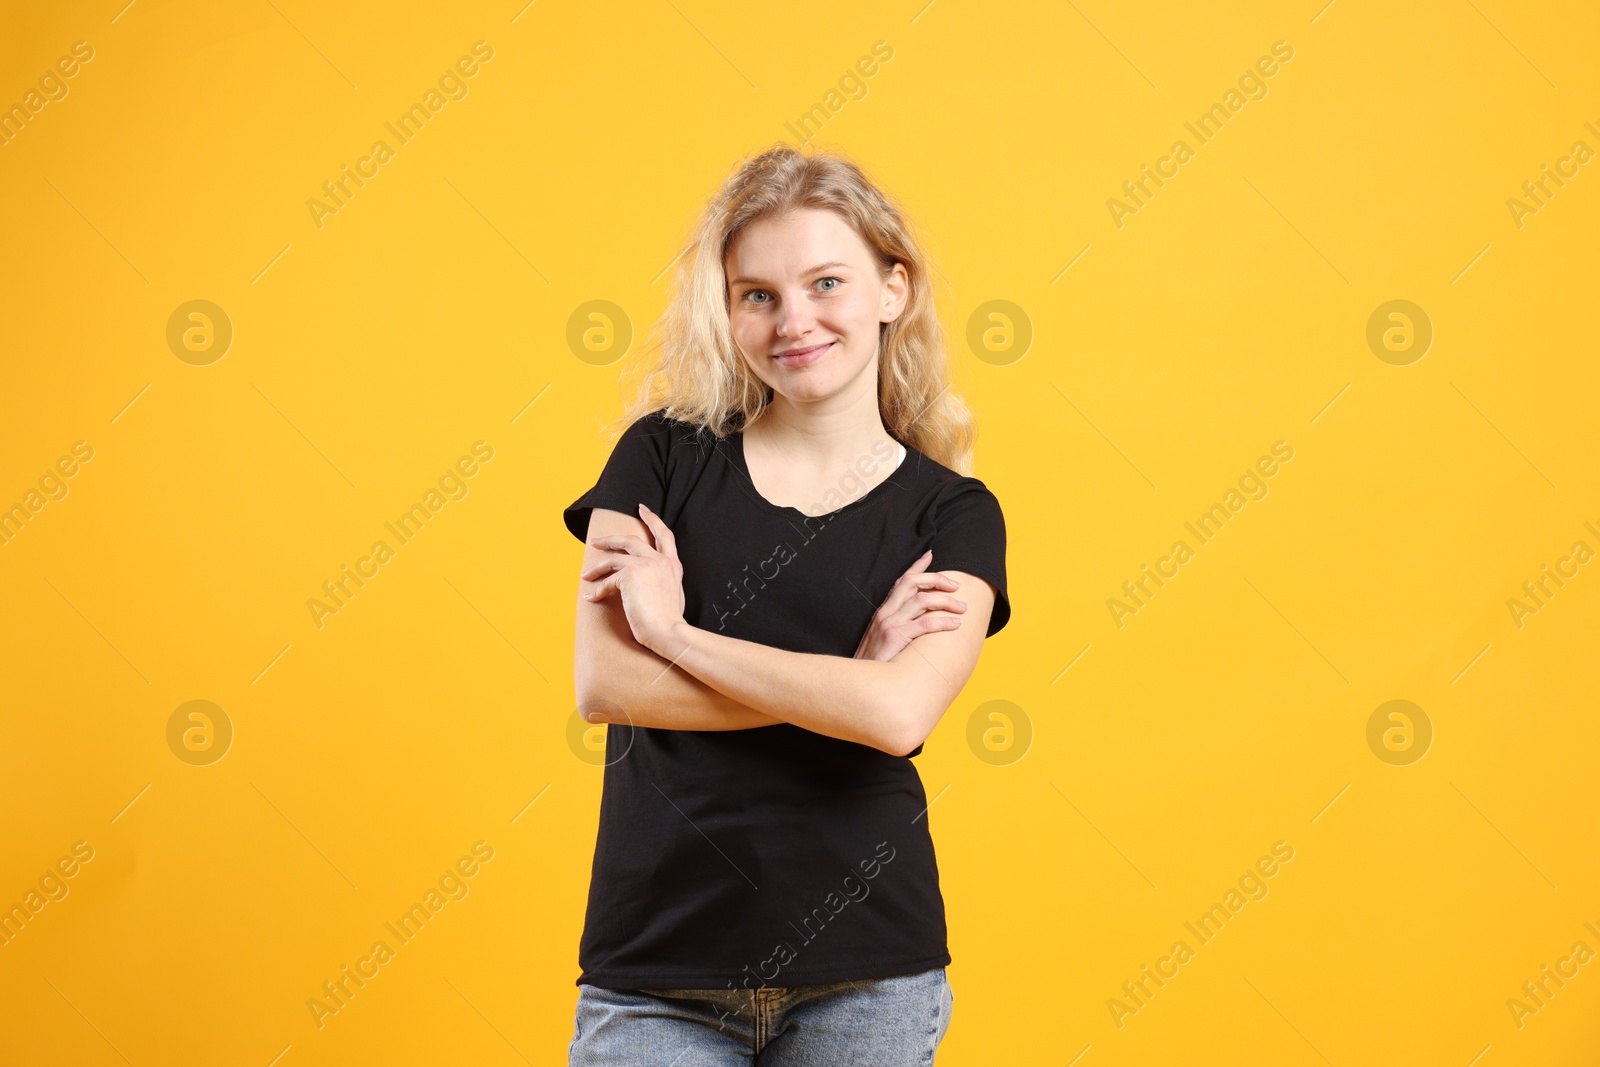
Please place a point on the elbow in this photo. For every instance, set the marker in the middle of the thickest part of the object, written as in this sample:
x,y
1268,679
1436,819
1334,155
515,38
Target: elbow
x,y
601,698
594,699
908,729
900,748
908,712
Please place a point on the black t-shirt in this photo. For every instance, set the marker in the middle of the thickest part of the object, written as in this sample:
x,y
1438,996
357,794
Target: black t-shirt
x,y
775,855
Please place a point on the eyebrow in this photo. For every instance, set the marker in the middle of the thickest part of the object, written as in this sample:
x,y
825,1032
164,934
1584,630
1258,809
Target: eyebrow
x,y
819,267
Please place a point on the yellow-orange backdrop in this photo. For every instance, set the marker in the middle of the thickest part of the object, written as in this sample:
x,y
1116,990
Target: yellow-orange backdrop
x,y
189,475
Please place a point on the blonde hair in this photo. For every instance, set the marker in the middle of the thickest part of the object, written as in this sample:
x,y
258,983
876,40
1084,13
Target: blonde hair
x,y
691,368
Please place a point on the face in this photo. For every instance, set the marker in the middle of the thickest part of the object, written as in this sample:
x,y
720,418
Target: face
x,y
807,281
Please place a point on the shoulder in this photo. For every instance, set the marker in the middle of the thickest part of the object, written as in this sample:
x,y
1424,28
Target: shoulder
x,y
653,424
953,493
968,531
647,460
655,436
667,431
966,502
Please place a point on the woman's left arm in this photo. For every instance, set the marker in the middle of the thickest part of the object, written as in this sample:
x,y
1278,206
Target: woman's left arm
x,y
892,706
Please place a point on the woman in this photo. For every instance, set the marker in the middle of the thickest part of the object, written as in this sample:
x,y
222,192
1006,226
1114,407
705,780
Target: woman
x,y
768,623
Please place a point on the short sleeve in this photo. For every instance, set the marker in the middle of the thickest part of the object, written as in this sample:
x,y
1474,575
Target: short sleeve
x,y
635,473
969,534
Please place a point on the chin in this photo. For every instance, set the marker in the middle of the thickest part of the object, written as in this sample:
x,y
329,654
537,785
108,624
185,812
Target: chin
x,y
813,386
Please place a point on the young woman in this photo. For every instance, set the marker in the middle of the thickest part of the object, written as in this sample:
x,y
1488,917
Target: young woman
x,y
769,624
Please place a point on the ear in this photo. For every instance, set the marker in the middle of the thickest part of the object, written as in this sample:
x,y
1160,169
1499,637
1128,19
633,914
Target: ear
x,y
897,293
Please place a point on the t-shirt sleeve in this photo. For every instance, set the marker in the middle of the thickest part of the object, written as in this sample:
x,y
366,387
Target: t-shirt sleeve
x,y
969,534
635,473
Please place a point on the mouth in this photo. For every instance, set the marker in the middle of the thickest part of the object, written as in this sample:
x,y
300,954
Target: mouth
x,y
800,357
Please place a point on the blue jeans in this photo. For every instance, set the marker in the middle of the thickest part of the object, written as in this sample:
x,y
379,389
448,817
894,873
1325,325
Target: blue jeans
x,y
882,1022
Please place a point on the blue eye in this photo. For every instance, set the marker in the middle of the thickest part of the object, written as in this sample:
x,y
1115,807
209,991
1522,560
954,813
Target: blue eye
x,y
747,297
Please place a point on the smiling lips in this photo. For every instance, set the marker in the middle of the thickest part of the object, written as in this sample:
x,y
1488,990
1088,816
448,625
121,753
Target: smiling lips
x,y
800,357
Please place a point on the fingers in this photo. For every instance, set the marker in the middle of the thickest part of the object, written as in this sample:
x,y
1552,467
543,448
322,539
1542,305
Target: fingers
x,y
920,611
909,588
600,569
918,572
932,580
665,541
924,624
921,606
622,543
912,629
920,566
939,602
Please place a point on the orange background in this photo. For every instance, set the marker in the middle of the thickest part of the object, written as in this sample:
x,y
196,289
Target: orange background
x,y
1131,377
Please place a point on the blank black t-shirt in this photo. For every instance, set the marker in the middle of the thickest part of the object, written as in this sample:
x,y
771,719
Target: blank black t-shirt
x,y
775,855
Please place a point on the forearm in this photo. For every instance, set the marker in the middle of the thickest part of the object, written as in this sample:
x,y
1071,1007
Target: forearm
x,y
650,693
837,696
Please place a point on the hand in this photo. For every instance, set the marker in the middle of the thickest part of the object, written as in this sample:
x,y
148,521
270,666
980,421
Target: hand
x,y
648,578
903,615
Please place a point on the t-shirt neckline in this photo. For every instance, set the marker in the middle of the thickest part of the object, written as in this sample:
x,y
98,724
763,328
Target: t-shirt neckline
x,y
783,509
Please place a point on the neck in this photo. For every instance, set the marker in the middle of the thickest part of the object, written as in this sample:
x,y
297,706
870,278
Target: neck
x,y
821,436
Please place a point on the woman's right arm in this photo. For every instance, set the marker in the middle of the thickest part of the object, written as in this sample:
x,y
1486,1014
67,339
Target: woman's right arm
x,y
611,668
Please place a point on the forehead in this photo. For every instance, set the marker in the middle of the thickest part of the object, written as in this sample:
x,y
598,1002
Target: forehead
x,y
791,244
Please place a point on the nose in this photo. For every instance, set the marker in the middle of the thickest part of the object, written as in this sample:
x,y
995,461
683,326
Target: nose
x,y
795,318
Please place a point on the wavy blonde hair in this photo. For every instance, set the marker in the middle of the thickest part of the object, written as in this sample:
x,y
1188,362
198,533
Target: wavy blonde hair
x,y
690,367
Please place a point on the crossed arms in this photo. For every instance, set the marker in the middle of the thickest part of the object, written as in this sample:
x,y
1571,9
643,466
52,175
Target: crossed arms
x,y
699,680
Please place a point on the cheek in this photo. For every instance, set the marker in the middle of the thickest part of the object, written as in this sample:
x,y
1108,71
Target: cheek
x,y
858,320
751,335
752,342
859,314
